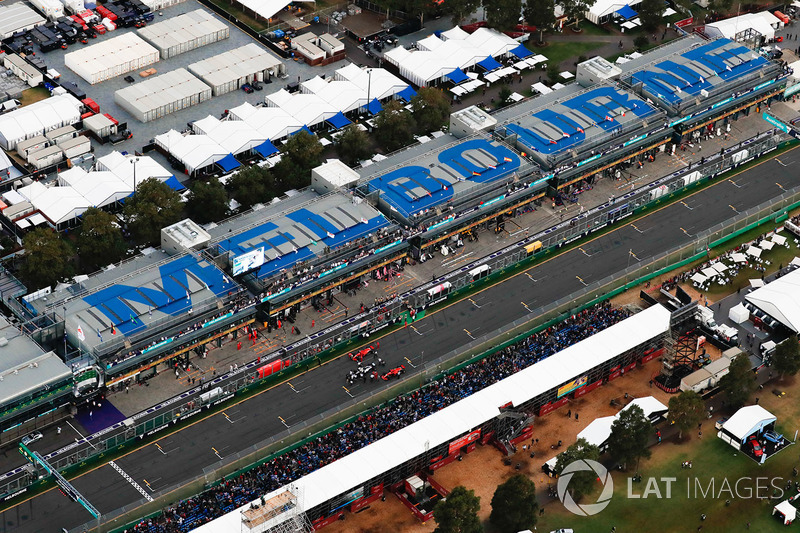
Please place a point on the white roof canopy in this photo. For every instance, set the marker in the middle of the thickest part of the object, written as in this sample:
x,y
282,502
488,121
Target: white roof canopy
x,y
754,251
698,278
747,421
739,258
649,404
780,299
598,431
780,240
787,510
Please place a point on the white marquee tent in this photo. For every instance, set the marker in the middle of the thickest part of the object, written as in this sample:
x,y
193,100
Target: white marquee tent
x,y
194,151
745,422
780,299
38,118
764,23
787,511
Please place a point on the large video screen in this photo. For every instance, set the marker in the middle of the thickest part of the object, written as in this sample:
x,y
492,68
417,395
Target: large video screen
x,y
249,261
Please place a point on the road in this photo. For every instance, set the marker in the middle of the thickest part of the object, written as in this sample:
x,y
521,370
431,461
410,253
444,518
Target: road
x,y
183,455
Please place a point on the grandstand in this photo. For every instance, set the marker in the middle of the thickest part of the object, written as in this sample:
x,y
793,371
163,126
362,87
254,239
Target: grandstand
x,y
365,473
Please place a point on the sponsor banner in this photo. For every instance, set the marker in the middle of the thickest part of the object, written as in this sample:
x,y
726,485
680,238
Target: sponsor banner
x,y
463,441
571,386
158,345
775,122
15,494
589,388
652,355
684,22
218,319
552,406
388,246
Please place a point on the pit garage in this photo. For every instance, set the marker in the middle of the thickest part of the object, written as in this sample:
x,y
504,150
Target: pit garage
x,y
752,430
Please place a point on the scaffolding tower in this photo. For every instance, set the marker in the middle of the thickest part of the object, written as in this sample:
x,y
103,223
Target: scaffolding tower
x,y
680,347
282,513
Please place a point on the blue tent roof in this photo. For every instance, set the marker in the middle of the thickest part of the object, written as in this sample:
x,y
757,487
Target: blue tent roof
x,y
407,94
457,76
490,63
339,121
304,128
174,184
626,12
228,163
374,107
266,148
521,52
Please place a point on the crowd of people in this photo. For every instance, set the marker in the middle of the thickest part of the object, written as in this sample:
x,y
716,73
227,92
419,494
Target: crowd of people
x,y
382,421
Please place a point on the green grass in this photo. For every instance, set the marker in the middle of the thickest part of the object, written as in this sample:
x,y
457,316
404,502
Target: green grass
x,y
561,51
247,19
591,29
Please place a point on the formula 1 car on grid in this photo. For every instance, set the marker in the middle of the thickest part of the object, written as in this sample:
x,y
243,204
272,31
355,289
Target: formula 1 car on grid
x,y
362,353
395,372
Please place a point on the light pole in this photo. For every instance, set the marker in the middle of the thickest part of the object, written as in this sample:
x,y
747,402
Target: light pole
x,y
134,160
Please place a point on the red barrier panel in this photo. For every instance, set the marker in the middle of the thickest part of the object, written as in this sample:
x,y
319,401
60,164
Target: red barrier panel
x,y
276,366
471,448
614,375
589,388
286,363
552,406
652,355
526,434
264,371
363,502
444,462
322,522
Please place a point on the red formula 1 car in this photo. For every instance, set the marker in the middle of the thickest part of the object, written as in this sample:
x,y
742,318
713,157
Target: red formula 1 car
x,y
395,372
362,353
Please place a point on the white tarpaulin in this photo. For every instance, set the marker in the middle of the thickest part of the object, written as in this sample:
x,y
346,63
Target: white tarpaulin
x,y
739,258
598,431
650,405
780,240
756,283
795,261
787,510
755,252
748,421
738,313
766,245
710,272
699,278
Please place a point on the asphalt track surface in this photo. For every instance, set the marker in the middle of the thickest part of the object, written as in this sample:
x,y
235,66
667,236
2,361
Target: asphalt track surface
x,y
183,455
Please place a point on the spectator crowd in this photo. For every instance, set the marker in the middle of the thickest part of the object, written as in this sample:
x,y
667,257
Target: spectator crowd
x,y
380,422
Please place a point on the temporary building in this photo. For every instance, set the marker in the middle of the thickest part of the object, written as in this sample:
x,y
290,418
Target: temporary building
x,y
75,146
272,122
133,169
374,82
58,204
738,314
45,157
780,299
100,125
61,134
111,58
38,118
194,151
17,17
156,5
308,109
228,71
235,136
23,70
266,9
747,421
650,405
185,32
598,431
344,95
603,10
786,510
98,188
162,95
764,23
696,381
52,9
31,145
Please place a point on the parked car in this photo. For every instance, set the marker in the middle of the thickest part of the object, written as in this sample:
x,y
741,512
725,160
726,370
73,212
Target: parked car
x,y
129,79
27,440
248,88
757,450
257,86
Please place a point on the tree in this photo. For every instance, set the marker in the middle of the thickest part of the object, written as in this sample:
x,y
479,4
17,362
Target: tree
x,y
47,259
503,95
100,240
651,13
582,482
459,9
540,13
686,410
300,154
552,73
154,206
251,185
353,145
431,109
574,10
502,15
458,513
739,382
641,42
208,201
787,357
394,127
717,6
629,435
514,505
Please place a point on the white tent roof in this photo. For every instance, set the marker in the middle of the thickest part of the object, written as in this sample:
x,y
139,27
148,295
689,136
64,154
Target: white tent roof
x,y
598,431
748,420
122,167
39,117
719,267
756,283
755,252
787,510
649,404
710,272
57,204
272,122
766,245
698,278
780,299
343,95
764,22
454,33
278,98
739,258
780,240
355,469
381,83
235,136
602,8
267,8
194,151
309,109
100,188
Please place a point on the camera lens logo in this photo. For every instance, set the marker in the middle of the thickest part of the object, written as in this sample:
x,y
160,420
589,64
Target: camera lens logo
x,y
585,465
